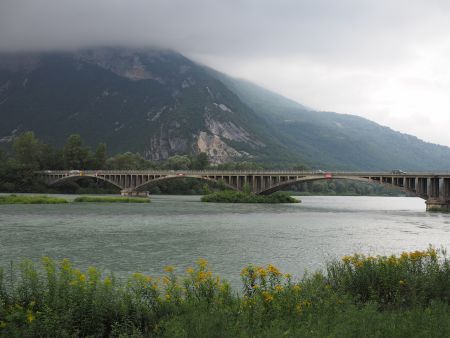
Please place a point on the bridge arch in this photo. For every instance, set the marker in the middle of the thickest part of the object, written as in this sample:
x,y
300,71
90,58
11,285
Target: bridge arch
x,y
74,178
285,184
147,184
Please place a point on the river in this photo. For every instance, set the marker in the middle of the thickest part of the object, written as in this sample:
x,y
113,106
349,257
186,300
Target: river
x,y
177,230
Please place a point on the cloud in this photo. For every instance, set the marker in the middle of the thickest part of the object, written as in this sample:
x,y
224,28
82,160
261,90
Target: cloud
x,y
385,60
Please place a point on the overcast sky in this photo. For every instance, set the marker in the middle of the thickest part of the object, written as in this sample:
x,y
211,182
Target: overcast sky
x,y
387,60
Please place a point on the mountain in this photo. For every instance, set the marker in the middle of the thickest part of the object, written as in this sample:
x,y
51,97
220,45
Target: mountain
x,y
159,103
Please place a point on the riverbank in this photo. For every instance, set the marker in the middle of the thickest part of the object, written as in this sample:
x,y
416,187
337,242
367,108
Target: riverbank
x,y
229,196
405,295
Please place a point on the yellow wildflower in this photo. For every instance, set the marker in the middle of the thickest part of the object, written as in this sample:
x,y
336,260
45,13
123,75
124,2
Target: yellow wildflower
x,y
346,259
267,296
297,288
273,270
168,297
278,288
82,277
190,270
30,316
261,271
202,263
401,282
392,260
148,279
404,256
416,255
169,269
166,280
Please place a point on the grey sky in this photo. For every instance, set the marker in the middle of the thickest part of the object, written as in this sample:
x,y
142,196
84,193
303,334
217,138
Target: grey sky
x,y
385,60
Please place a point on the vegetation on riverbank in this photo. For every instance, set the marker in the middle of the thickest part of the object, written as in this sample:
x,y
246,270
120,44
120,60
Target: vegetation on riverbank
x,y
108,199
230,196
402,296
24,199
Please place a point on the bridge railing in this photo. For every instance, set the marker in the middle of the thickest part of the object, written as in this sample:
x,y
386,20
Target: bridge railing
x,y
235,172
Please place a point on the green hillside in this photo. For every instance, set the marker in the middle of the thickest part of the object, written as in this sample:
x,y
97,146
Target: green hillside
x,y
159,103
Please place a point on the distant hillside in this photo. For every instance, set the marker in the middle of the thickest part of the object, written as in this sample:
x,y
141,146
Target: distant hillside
x,y
159,103
332,140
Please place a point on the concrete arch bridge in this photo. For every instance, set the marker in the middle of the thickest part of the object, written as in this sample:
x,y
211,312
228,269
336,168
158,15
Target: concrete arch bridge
x,y
433,187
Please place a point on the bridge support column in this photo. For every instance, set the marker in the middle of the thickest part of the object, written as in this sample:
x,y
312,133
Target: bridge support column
x,y
133,193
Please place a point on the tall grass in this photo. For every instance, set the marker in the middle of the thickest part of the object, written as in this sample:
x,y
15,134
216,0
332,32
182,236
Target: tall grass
x,y
403,296
23,199
108,199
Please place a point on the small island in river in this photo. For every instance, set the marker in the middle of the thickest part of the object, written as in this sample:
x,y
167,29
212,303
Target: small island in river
x,y
228,196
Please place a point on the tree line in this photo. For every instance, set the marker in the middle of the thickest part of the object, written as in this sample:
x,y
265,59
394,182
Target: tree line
x,y
29,154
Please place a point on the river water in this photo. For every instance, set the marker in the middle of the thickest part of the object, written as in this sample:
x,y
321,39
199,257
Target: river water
x,y
177,230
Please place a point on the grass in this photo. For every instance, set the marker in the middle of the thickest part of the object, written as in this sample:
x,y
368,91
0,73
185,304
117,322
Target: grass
x,y
229,196
22,199
358,296
106,199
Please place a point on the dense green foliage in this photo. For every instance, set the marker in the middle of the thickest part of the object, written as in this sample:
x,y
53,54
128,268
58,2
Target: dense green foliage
x,y
360,296
14,199
30,154
230,196
343,187
108,199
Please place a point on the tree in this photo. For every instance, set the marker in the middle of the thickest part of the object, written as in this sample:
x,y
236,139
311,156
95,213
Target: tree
x,y
300,167
76,156
28,150
128,160
100,156
179,162
200,162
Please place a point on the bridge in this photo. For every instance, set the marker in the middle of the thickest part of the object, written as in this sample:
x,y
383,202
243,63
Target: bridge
x,y
432,187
